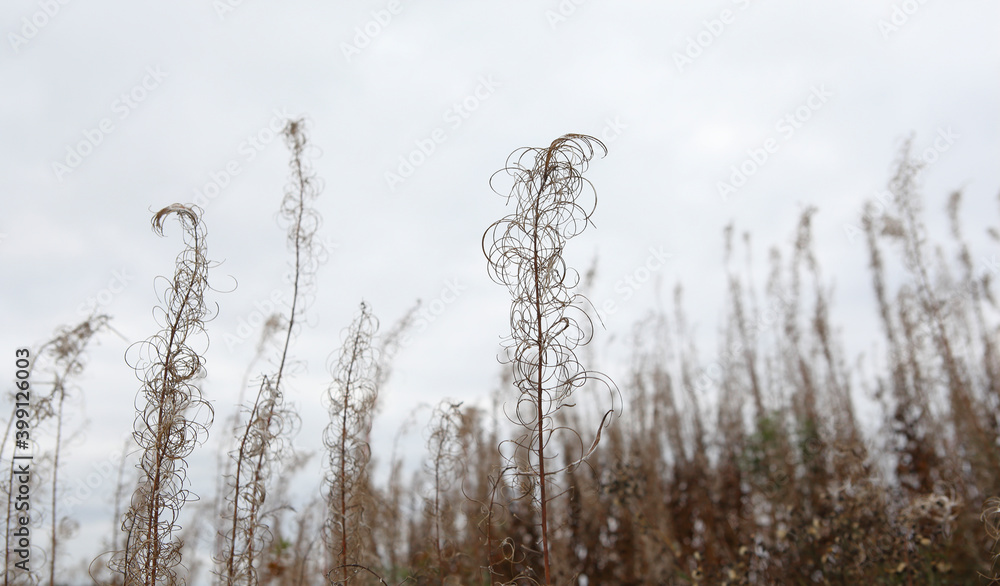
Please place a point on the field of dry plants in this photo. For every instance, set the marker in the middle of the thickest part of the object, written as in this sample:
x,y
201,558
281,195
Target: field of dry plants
x,y
748,465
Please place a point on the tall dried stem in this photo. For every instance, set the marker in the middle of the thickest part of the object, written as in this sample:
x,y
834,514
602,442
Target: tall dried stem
x,y
351,398
524,250
167,428
445,447
66,352
269,421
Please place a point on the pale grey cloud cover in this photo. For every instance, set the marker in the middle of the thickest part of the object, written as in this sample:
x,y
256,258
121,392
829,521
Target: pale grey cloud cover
x,y
111,110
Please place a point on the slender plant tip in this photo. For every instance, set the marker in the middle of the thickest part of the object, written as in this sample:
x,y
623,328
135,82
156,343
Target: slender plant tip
x,y
190,214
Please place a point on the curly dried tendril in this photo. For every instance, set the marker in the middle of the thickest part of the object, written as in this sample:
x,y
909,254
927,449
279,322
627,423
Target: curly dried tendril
x,y
174,418
554,203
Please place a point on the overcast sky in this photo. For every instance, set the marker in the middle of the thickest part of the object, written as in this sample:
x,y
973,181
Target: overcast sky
x,y
715,112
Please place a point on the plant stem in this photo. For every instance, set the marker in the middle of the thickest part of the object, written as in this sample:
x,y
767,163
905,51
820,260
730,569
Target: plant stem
x,y
540,342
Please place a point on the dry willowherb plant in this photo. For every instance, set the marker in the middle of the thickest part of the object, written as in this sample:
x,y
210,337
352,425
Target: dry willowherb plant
x,y
66,351
554,203
63,359
445,447
351,398
755,467
175,416
223,513
270,420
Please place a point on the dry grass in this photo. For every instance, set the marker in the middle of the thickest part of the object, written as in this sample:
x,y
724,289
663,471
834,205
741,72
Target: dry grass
x,y
748,466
